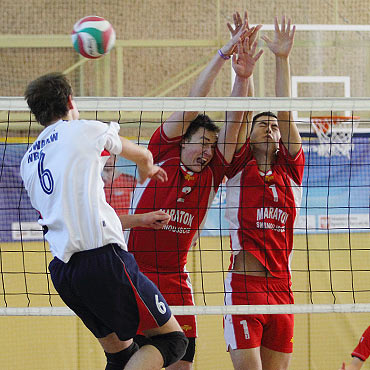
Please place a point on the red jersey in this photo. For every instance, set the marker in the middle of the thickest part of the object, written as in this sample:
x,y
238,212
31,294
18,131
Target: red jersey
x,y
362,351
186,197
118,194
262,207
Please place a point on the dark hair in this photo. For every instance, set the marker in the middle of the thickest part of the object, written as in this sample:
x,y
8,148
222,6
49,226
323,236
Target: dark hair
x,y
268,114
202,120
47,97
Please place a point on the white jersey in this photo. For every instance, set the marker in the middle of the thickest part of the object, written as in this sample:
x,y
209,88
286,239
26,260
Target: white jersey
x,y
61,172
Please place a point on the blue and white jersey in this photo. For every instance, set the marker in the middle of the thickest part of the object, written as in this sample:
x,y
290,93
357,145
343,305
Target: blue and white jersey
x,y
61,172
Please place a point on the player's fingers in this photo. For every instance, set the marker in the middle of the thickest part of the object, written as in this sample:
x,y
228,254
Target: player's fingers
x,y
163,218
258,55
276,24
253,49
292,33
283,23
160,174
238,19
230,28
266,39
250,32
288,26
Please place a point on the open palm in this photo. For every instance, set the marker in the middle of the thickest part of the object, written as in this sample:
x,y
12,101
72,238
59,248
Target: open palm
x,y
245,58
283,39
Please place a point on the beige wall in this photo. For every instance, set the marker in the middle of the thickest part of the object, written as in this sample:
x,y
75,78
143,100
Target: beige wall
x,y
321,341
146,68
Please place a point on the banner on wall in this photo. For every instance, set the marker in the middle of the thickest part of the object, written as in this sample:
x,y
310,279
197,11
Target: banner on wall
x,y
335,195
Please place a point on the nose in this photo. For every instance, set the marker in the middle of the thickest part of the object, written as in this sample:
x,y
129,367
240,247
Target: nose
x,y
268,129
207,150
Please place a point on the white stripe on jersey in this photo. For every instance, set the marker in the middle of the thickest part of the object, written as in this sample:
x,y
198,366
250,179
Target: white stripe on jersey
x,y
229,332
231,213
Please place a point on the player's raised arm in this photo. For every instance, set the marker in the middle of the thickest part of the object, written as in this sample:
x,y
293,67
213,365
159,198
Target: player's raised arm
x,y
244,61
144,160
177,124
281,46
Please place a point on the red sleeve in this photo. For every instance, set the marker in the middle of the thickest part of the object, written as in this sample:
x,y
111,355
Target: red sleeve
x,y
294,167
362,351
163,147
239,161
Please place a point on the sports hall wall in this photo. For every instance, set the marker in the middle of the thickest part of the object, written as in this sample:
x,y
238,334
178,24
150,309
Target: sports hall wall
x,y
172,40
162,38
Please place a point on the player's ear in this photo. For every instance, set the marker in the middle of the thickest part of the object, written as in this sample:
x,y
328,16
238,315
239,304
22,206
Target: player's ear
x,y
70,102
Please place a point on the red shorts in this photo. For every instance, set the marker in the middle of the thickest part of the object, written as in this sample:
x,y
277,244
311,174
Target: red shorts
x,y
177,290
272,331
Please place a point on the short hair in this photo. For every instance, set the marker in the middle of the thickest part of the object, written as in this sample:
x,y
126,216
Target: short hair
x,y
202,120
47,97
268,114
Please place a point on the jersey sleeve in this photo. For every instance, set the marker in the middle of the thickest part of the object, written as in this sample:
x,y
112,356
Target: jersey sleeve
x,y
239,160
163,147
362,351
293,166
103,135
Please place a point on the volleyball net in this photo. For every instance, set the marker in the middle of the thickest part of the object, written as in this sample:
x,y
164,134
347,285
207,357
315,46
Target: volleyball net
x,y
330,270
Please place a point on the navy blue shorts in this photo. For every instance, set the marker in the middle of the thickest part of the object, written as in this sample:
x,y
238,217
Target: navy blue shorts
x,y
105,288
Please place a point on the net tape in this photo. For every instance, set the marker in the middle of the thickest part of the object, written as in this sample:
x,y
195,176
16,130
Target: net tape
x,y
204,104
210,310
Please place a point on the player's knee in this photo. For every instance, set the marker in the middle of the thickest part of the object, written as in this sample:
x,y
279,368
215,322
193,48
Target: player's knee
x,y
172,346
190,351
118,360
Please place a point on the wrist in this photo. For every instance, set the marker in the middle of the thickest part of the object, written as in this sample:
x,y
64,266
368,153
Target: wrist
x,y
222,55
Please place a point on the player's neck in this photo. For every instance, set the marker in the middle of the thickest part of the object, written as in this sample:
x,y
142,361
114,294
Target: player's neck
x,y
264,158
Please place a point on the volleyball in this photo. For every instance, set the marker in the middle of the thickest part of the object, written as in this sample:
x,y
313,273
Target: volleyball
x,y
93,37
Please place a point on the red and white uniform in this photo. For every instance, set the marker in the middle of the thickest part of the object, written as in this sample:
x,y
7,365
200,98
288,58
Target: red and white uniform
x,y
186,197
261,211
118,193
362,351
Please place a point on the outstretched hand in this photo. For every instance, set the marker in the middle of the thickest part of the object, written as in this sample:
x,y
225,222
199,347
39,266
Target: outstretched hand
x,y
245,58
283,39
240,32
243,24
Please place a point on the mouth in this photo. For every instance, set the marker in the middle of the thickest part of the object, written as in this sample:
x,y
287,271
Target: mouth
x,y
201,161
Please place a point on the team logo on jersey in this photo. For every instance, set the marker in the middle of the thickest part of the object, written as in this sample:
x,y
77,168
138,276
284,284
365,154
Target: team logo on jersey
x,y
269,178
186,327
189,177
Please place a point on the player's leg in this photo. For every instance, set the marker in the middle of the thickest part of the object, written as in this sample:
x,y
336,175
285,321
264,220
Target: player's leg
x,y
166,341
163,346
177,290
273,360
246,359
277,340
186,362
243,333
109,274
117,352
